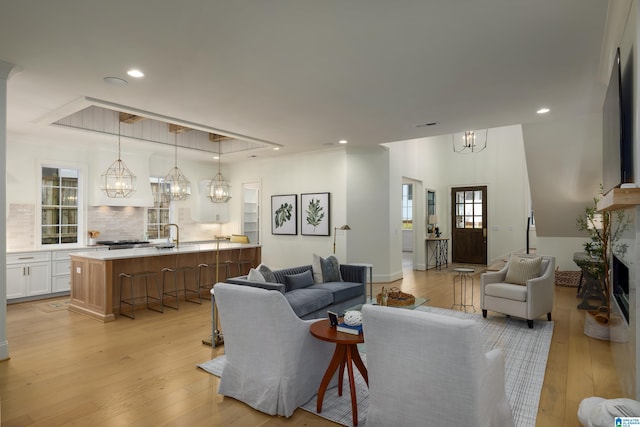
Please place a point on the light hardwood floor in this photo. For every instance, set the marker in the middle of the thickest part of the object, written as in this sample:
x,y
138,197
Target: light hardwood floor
x,y
66,369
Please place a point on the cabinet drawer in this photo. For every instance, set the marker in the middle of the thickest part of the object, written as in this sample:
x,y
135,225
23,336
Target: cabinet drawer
x,y
61,267
64,255
28,257
61,283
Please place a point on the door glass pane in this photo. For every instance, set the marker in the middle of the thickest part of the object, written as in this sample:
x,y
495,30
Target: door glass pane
x,y
477,222
478,196
460,197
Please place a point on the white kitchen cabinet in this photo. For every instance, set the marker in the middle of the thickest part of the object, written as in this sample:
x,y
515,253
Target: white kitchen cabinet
x,y
60,270
28,274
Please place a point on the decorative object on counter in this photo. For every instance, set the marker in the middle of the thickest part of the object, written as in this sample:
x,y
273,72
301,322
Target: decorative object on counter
x,y
178,186
284,214
335,229
468,143
394,297
433,224
219,188
316,214
118,180
352,318
93,235
603,243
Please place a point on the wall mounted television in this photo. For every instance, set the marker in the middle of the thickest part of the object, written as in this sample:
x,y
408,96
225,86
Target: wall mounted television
x,y
617,141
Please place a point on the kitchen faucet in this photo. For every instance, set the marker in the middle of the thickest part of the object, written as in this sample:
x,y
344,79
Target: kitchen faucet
x,y
177,233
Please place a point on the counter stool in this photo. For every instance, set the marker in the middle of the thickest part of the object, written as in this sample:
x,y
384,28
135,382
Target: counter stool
x,y
130,301
464,275
186,272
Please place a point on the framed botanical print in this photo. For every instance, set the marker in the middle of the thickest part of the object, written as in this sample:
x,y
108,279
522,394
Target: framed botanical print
x,y
314,214
284,214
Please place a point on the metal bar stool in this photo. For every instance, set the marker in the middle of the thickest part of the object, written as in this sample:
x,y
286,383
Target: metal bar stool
x,y
131,300
186,273
245,254
463,276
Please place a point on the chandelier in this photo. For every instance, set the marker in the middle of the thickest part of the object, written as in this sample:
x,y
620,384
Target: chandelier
x,y
219,188
118,180
177,186
469,142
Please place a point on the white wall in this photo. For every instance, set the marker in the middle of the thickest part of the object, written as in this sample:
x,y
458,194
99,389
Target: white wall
x,y
500,167
319,172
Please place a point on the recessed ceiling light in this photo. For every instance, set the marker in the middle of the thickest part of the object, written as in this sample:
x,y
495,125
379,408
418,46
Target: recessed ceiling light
x,y
135,73
342,141
276,148
116,81
216,157
544,110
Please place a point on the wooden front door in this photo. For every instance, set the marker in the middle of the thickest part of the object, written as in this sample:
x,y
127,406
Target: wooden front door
x,y
469,225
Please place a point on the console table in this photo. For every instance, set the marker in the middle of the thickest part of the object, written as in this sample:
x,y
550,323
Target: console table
x,y
437,251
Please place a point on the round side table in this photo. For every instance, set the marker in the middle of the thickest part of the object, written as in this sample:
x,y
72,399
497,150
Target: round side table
x,y
462,279
345,354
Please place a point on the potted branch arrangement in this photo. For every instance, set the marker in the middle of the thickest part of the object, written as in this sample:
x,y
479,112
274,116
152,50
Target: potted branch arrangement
x,y
603,241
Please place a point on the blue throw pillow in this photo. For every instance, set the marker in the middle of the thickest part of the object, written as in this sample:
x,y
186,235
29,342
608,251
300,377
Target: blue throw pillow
x,y
298,281
267,273
330,269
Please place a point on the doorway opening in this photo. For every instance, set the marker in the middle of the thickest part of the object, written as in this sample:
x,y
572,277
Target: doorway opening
x,y
469,225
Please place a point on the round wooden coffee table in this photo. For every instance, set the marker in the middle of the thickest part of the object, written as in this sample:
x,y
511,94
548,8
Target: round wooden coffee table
x,y
346,352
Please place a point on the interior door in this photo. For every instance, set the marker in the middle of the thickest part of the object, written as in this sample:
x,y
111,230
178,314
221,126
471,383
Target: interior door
x,y
469,225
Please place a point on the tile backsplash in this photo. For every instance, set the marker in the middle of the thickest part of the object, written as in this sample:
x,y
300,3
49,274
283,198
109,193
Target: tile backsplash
x,y
116,222
113,223
21,226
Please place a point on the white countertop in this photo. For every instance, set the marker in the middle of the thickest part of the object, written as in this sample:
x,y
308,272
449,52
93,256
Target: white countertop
x,y
147,252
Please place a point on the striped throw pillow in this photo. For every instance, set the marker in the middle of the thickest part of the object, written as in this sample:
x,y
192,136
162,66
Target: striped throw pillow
x,y
522,269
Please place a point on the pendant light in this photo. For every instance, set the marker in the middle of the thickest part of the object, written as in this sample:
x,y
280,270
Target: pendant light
x,y
118,180
469,143
219,188
177,186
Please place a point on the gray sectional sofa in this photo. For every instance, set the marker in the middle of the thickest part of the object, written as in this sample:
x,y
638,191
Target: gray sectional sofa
x,y
312,300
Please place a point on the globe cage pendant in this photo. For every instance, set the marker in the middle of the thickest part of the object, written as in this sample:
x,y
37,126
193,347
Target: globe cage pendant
x,y
469,143
118,180
176,185
219,188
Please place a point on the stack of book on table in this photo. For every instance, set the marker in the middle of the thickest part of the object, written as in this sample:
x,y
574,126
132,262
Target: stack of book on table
x,y
343,327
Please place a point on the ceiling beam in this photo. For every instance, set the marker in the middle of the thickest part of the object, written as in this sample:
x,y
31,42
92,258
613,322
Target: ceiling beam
x,y
130,118
178,128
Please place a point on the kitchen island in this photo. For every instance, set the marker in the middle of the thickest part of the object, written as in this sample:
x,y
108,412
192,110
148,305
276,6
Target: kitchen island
x,y
95,276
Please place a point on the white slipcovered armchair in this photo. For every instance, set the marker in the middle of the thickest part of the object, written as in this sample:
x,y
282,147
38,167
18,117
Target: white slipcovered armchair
x,y
273,363
523,288
427,369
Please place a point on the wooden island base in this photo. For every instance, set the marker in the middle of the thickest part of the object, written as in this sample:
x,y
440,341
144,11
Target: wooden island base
x,y
95,276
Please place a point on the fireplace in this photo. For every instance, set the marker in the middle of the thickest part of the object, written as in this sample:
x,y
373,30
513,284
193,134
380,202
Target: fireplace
x,y
620,285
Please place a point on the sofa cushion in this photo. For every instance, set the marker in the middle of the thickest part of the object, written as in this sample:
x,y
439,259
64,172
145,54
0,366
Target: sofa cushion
x,y
342,291
297,281
307,300
330,269
506,291
316,266
522,269
255,276
266,273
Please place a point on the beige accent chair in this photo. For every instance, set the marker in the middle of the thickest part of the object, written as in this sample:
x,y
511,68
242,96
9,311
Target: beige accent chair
x,y
519,291
273,362
427,369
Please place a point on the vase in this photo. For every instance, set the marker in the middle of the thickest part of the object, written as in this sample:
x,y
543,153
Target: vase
x,y
92,242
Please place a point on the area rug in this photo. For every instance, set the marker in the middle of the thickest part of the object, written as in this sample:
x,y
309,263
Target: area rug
x,y
568,278
51,306
526,351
